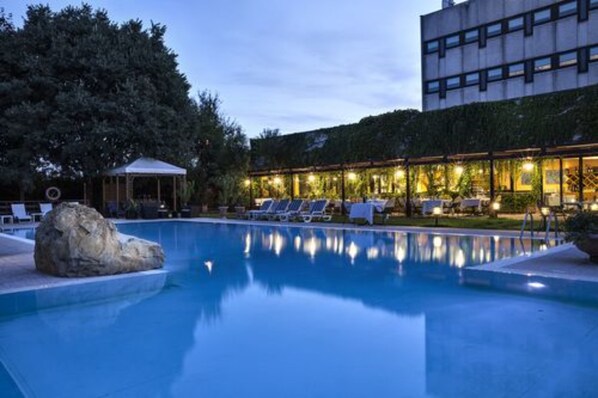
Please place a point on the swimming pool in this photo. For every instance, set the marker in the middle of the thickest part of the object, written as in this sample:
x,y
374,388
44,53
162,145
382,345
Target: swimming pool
x,y
259,311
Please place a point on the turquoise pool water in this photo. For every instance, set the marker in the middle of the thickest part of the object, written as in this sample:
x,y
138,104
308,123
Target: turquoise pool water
x,y
295,312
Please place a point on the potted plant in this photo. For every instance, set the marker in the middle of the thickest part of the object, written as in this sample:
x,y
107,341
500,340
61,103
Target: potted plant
x,y
582,229
185,192
228,186
131,209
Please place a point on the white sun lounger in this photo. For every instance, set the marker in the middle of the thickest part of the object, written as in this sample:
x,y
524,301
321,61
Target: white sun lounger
x,y
19,213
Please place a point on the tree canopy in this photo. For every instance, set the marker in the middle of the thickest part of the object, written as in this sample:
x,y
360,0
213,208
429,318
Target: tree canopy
x,y
80,94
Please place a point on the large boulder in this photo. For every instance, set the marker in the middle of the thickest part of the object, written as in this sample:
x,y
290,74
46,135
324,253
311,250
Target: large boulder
x,y
75,240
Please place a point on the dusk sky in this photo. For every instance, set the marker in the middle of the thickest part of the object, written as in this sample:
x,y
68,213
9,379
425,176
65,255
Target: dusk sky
x,y
296,66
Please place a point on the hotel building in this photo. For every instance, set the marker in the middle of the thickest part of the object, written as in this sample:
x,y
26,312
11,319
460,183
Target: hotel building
x,y
491,50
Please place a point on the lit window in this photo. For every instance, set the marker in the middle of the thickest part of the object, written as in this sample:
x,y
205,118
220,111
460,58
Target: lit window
x,y
594,52
432,46
516,70
494,74
452,41
433,87
568,59
542,64
494,29
568,9
472,78
453,82
473,35
542,16
515,24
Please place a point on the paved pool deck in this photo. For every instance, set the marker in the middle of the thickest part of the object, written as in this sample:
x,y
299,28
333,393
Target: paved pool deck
x,y
561,264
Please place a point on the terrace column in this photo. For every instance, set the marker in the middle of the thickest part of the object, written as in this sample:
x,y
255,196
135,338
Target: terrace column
x,y
561,180
491,178
408,190
580,171
117,193
343,191
292,186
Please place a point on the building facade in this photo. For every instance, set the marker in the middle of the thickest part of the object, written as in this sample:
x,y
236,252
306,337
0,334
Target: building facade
x,y
492,50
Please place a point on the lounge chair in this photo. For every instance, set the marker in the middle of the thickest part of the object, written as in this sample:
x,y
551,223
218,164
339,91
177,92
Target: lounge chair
x,y
280,208
45,208
317,212
293,210
266,205
19,213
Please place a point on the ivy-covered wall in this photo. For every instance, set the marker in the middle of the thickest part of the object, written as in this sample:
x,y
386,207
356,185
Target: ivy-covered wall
x,y
569,117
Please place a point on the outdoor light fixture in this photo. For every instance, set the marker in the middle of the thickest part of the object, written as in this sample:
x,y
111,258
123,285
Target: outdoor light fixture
x,y
594,206
528,166
437,212
400,173
459,170
311,178
277,181
247,182
375,176
545,210
352,176
496,206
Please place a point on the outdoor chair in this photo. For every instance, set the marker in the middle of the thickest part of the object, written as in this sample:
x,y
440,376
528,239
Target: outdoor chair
x,y
317,212
280,208
45,208
293,210
19,213
266,205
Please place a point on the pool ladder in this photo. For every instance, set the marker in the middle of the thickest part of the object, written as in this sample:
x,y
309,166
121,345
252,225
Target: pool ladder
x,y
551,217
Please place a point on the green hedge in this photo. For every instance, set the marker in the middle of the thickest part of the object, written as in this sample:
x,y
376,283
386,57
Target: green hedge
x,y
562,118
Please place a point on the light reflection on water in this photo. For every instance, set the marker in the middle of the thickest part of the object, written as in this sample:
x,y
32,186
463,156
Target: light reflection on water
x,y
414,248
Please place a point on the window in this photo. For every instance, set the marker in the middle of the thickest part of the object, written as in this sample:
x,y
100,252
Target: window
x,y
516,70
568,9
473,35
472,79
494,29
433,87
542,16
594,54
494,74
453,82
568,59
515,24
452,41
542,64
431,46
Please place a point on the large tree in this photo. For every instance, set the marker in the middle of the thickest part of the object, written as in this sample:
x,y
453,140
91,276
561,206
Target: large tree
x,y
79,94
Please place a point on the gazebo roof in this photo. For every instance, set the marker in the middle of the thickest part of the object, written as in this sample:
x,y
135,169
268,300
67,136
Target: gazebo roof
x,y
147,166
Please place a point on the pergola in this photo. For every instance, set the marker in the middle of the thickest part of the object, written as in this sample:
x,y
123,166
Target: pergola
x,y
143,167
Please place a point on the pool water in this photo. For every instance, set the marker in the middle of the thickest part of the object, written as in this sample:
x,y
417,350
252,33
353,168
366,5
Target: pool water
x,y
257,311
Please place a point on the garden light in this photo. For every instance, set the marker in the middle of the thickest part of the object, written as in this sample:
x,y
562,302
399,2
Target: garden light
x,y
496,206
311,178
528,166
400,173
247,182
459,170
352,176
545,211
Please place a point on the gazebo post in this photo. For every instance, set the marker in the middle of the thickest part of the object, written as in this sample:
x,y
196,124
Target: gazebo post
x,y
117,193
158,178
174,192
343,193
127,187
407,190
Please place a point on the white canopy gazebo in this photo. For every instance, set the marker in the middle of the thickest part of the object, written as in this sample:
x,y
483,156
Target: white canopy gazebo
x,y
143,167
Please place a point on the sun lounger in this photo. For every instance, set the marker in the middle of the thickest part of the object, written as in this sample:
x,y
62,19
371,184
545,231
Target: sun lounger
x,y
293,210
280,208
318,212
266,205
19,213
